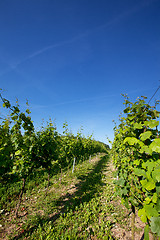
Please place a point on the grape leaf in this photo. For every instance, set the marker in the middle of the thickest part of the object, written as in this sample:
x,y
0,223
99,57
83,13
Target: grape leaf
x,y
151,211
139,172
150,185
131,140
158,205
142,215
138,126
156,174
155,145
155,225
145,135
152,123
149,164
145,149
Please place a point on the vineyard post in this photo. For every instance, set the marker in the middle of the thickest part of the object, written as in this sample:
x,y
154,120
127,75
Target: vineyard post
x,y
133,222
61,176
73,164
20,197
48,182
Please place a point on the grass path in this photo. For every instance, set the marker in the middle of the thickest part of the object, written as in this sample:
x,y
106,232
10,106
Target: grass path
x,y
81,205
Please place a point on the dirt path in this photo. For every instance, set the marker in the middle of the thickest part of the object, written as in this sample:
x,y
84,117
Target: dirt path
x,y
82,205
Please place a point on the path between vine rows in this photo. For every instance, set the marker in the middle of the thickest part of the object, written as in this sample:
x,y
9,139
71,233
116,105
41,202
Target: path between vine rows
x,y
91,186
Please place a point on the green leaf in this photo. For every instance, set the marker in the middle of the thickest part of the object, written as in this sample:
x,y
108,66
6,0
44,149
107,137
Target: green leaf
x,y
150,165
155,145
156,174
152,123
154,198
146,135
158,177
143,182
158,188
150,185
124,191
137,162
139,172
138,126
142,215
147,200
18,152
121,182
155,225
131,140
151,211
145,149
158,205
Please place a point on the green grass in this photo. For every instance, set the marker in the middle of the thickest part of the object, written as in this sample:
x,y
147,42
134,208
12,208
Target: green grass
x,y
84,213
81,205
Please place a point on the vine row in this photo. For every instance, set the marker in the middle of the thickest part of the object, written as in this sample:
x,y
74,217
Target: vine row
x,y
23,150
136,155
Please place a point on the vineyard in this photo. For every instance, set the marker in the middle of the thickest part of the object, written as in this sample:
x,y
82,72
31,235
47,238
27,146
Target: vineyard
x,y
136,156
66,186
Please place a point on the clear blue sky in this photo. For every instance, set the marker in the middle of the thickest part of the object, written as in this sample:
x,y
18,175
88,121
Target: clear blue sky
x,y
73,59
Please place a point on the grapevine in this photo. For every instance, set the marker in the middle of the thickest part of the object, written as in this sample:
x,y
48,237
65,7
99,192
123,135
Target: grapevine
x,y
24,151
136,155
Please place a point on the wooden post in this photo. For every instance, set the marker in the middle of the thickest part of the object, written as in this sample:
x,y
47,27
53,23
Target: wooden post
x,y
133,223
73,164
20,197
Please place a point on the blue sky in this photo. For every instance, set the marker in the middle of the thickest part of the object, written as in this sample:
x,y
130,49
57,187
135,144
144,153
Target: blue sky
x,y
73,59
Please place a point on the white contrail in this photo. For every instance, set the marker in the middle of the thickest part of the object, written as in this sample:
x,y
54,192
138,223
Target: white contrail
x,y
100,97
52,46
42,50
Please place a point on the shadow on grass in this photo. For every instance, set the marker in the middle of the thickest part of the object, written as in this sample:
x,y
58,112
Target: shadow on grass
x,y
89,186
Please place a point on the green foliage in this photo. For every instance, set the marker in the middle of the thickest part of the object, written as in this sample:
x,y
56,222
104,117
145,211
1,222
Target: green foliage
x,y
136,155
47,147
155,223
24,151
75,207
6,149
